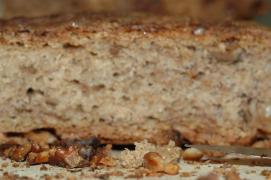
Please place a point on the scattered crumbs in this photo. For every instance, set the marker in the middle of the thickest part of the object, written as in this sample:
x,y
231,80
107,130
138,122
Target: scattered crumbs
x,y
116,173
109,174
15,165
43,168
266,173
82,174
185,174
232,174
5,164
47,177
219,170
188,174
69,153
142,172
8,176
134,159
253,171
210,176
197,167
104,176
72,178
59,176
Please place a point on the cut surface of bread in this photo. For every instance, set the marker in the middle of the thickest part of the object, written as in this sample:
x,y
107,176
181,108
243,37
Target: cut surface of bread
x,y
129,78
209,10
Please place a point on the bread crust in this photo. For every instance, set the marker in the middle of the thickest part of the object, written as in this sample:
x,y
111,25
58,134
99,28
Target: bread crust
x,y
60,27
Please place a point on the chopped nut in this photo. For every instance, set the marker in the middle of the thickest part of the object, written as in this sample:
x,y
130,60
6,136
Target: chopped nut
x,y
36,148
107,161
17,152
192,154
70,153
58,157
102,158
73,159
154,162
31,158
7,152
38,158
172,169
66,157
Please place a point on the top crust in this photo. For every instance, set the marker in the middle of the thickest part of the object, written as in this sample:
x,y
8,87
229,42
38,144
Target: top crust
x,y
38,31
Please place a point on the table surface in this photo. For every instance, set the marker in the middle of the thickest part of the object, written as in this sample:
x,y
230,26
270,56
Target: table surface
x,y
195,169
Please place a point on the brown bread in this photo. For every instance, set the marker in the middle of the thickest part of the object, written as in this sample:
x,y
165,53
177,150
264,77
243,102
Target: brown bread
x,y
125,79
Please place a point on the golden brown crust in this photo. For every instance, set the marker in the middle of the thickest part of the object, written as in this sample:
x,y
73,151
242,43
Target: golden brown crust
x,y
38,31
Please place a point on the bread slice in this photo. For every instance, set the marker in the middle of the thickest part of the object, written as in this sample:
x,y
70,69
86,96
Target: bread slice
x,y
129,78
211,10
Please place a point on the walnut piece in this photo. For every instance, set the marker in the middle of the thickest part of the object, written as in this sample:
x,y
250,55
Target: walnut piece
x,y
153,161
172,169
192,154
102,158
17,152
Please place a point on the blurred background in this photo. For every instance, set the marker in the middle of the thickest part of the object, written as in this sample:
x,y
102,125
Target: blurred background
x,y
208,10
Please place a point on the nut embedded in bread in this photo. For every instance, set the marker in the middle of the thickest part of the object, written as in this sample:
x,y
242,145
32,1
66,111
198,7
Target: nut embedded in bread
x,y
125,79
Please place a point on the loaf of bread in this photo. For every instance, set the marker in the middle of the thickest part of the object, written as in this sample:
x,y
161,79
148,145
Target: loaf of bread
x,y
129,78
210,10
